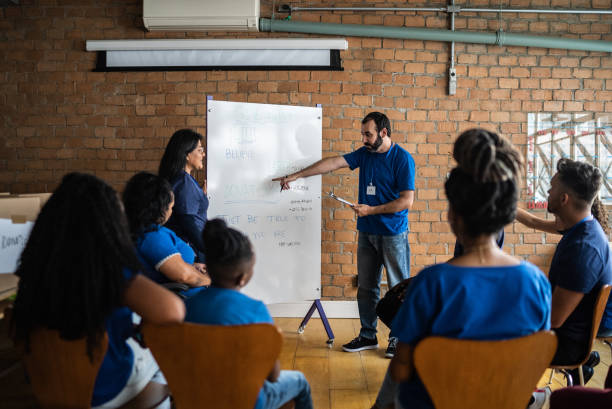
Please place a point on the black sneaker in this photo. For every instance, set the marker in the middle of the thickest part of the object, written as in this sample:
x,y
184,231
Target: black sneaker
x,y
593,360
360,344
587,372
390,352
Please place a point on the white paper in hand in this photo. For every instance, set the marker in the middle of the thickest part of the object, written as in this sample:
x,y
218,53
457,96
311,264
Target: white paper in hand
x,y
333,196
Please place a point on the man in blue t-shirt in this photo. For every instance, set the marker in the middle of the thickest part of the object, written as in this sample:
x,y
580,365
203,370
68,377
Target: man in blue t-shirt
x,y
386,193
582,262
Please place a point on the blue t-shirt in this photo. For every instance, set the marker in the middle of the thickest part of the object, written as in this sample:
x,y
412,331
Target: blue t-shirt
x,y
483,303
189,212
389,173
582,263
119,359
156,246
221,306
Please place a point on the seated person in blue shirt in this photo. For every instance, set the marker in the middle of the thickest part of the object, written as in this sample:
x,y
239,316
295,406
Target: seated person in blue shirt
x,y
78,274
184,154
148,201
230,260
582,262
485,293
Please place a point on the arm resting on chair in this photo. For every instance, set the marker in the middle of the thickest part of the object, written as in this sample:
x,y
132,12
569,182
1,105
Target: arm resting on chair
x,y
402,364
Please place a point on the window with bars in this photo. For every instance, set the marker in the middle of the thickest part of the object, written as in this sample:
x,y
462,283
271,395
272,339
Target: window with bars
x,y
580,136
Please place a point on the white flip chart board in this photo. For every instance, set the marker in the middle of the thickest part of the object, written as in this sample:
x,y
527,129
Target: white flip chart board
x,y
247,146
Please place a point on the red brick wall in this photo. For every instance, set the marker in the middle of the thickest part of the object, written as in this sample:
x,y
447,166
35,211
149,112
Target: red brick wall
x,y
58,116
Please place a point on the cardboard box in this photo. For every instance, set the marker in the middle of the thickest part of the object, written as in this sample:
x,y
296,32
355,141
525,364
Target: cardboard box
x,y
17,216
8,285
19,209
42,196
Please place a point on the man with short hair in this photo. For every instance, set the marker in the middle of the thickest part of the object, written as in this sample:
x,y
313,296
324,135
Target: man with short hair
x,y
582,262
386,193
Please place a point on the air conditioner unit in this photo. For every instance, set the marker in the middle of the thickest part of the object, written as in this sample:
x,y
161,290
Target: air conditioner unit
x,y
201,15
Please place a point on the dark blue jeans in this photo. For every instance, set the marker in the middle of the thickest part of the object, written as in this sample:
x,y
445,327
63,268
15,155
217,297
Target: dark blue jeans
x,y
373,252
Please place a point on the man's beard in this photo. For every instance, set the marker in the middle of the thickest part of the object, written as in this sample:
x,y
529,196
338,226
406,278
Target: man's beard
x,y
550,208
374,146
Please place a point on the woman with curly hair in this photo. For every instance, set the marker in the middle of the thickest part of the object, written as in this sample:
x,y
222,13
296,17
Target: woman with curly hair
x,y
148,201
79,275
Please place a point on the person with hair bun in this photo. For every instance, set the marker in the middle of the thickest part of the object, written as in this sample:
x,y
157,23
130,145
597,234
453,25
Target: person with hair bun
x,y
148,201
184,154
582,261
484,294
78,274
230,262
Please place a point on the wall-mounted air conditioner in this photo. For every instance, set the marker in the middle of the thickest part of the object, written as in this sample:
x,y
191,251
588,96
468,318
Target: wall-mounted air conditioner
x,y
201,15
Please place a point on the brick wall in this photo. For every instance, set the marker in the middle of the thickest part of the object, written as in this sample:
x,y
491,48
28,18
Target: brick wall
x,y
58,116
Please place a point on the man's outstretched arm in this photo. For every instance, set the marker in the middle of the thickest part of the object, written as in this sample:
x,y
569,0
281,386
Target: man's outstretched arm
x,y
529,220
323,166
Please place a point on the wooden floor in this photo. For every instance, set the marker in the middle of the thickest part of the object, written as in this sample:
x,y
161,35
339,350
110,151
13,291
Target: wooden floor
x,y
339,380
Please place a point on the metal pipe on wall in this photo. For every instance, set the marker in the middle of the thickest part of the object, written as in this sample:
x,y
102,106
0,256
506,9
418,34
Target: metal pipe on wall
x,y
452,72
445,9
500,38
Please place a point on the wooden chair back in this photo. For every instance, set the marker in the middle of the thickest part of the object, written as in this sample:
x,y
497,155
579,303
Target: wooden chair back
x,y
483,374
600,307
598,310
60,371
63,376
605,339
214,366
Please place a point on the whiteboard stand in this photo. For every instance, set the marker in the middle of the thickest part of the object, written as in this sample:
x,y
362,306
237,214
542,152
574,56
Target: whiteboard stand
x,y
317,304
330,334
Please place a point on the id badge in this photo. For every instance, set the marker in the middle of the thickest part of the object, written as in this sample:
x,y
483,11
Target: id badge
x,y
371,190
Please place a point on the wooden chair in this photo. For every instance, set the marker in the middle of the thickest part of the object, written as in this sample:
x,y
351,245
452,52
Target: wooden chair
x,y
607,339
214,366
60,371
483,374
600,305
62,374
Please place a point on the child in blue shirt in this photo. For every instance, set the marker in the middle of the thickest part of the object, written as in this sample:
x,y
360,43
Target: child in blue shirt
x,y
230,260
